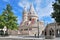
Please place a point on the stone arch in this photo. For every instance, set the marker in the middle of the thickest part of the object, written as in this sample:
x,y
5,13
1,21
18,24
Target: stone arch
x,y
58,32
45,33
51,32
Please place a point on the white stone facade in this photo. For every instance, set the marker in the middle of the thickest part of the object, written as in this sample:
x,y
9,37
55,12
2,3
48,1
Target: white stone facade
x,y
52,29
30,23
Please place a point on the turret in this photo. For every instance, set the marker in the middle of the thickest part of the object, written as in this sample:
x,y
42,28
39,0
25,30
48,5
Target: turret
x,y
32,14
24,14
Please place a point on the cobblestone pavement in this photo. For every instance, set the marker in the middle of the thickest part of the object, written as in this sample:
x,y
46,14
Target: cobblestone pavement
x,y
53,39
21,38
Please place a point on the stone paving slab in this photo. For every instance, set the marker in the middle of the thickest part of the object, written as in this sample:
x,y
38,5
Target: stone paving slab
x,y
21,38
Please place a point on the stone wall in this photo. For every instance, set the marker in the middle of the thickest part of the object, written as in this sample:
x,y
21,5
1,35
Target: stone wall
x,y
12,32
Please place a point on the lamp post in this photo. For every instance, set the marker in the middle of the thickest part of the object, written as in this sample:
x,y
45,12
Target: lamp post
x,y
55,27
38,28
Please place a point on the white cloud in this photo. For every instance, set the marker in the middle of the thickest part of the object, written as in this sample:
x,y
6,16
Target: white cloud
x,y
37,2
46,11
24,3
5,0
27,3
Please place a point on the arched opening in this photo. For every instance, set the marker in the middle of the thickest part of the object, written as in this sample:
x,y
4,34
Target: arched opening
x,y
45,33
57,32
51,32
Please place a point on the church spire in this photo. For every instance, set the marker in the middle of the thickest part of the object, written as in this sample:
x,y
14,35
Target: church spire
x,y
32,11
31,8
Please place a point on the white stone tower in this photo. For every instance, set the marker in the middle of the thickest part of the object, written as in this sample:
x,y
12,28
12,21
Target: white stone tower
x,y
32,14
24,15
30,22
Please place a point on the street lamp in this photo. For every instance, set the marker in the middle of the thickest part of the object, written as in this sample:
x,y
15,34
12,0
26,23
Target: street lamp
x,y
55,27
38,28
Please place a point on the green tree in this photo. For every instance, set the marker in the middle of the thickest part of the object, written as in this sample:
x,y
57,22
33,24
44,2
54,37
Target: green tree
x,y
8,19
56,12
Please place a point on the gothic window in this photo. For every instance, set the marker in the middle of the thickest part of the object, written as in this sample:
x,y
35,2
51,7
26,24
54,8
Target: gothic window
x,y
51,32
25,29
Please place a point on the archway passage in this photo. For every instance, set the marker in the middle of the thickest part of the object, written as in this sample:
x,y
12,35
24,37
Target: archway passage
x,y
58,33
45,33
51,32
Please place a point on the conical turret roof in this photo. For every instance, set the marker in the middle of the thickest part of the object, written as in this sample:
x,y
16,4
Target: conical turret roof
x,y
24,10
32,11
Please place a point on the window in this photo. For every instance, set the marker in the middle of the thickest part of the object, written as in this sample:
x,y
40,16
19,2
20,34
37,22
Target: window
x,y
51,32
25,29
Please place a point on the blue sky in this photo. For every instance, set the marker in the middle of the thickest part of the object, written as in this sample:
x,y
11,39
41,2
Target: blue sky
x,y
42,7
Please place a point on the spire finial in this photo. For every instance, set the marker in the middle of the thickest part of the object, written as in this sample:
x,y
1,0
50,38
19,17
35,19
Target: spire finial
x,y
25,8
31,5
31,8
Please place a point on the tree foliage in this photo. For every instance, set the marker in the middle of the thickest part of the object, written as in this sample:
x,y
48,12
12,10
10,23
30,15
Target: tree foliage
x,y
8,19
56,12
